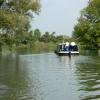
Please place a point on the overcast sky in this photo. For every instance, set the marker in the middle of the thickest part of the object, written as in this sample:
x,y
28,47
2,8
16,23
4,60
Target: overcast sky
x,y
59,16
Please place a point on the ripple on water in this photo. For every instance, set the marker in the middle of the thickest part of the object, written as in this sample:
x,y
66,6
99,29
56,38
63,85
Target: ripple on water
x,y
50,77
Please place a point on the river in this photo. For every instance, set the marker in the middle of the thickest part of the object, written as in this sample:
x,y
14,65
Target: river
x,y
46,76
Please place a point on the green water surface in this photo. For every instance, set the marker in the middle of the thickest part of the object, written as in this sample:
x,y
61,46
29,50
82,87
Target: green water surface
x,y
46,76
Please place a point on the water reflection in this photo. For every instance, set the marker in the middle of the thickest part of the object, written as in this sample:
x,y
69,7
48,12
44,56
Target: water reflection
x,y
12,78
88,72
47,76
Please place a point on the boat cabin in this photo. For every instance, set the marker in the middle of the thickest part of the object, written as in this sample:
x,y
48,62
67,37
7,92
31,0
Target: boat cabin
x,y
63,47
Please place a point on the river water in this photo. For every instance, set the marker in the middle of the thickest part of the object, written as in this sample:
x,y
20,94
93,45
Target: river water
x,y
46,76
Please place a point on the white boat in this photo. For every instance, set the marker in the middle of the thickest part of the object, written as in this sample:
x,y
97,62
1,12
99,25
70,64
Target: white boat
x,y
67,48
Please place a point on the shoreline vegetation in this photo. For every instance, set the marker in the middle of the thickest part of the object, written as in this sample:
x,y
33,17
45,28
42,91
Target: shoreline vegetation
x,y
35,41
15,34
32,41
45,42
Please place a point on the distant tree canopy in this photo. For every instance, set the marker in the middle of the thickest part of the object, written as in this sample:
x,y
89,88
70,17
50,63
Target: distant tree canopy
x,y
87,31
53,37
37,34
33,37
15,15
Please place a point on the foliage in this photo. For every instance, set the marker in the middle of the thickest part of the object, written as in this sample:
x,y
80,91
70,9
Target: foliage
x,y
87,31
37,34
15,15
31,40
46,37
52,37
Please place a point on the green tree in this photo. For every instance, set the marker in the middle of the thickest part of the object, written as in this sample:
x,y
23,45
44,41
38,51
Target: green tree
x,y
53,37
37,34
46,37
15,15
87,31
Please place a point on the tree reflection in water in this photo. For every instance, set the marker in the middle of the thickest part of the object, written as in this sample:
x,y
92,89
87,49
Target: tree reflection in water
x,y
88,72
49,77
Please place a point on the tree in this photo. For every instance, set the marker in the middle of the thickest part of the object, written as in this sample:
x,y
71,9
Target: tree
x,y
46,37
37,34
15,16
87,31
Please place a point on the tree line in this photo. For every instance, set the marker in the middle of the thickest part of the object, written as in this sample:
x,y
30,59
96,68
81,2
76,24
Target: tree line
x,y
30,38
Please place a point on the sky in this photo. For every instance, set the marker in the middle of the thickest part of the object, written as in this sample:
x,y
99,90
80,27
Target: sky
x,y
58,16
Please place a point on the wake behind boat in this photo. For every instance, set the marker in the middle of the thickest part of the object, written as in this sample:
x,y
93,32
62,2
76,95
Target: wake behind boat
x,y
67,48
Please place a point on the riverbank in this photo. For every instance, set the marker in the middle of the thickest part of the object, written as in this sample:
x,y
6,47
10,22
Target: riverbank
x,y
34,47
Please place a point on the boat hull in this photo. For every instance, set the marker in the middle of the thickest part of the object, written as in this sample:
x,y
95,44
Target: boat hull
x,y
64,53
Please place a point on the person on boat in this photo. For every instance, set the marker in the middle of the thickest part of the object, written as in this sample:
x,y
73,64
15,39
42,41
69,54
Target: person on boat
x,y
75,48
72,46
67,46
64,47
60,47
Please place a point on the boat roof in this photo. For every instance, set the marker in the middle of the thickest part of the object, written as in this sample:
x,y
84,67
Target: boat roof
x,y
61,43
67,43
